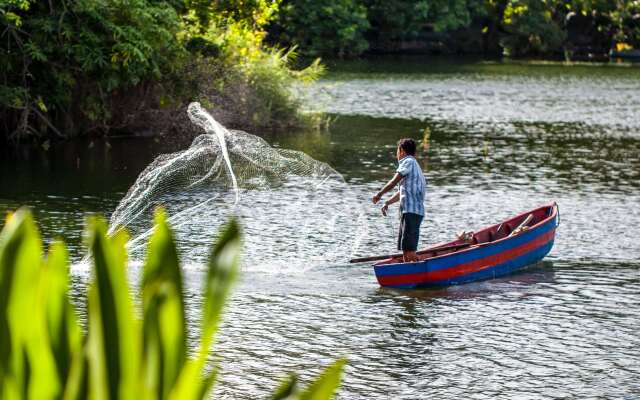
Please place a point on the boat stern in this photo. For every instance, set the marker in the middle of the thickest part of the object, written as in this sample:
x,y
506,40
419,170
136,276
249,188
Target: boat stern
x,y
402,275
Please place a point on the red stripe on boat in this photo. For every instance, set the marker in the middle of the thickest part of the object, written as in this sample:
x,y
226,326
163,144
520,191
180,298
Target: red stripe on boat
x,y
470,267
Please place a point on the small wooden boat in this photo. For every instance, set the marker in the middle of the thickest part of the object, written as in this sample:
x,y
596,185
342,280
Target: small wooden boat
x,y
491,252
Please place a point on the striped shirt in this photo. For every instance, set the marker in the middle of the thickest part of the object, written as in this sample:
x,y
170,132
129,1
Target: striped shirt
x,y
412,186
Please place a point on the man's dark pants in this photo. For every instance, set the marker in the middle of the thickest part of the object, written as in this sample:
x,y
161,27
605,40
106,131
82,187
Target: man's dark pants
x,y
409,232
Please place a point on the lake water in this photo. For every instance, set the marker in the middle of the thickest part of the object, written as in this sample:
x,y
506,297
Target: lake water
x,y
504,138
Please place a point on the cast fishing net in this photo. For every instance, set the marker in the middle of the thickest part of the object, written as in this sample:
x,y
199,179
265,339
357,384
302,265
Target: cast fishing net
x,y
294,210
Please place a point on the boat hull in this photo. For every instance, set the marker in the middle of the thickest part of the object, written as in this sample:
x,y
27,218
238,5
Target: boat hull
x,y
486,261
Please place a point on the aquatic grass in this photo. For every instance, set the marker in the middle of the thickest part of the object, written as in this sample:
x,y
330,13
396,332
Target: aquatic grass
x,y
45,354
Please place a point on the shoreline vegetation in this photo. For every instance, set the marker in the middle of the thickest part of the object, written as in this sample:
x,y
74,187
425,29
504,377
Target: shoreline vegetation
x,y
94,68
130,67
575,30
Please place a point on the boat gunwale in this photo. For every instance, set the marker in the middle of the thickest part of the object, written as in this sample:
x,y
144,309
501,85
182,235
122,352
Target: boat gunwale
x,y
553,215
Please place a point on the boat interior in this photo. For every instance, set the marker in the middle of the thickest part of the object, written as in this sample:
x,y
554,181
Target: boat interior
x,y
508,228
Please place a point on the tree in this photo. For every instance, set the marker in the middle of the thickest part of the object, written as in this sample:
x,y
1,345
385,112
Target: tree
x,y
61,62
532,27
323,27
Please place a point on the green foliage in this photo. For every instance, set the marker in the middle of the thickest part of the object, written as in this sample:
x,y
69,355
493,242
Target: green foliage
x,y
257,79
349,27
254,13
44,354
532,28
326,27
622,16
72,67
535,27
397,20
261,77
523,27
59,56
69,67
407,19
272,78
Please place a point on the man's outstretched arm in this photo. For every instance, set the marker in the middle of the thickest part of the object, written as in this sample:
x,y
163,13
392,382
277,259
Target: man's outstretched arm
x,y
390,185
394,199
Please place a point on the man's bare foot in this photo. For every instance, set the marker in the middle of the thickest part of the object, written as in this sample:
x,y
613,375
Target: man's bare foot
x,y
410,256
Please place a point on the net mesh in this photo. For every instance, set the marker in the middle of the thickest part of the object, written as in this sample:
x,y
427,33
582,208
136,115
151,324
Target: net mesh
x,y
295,210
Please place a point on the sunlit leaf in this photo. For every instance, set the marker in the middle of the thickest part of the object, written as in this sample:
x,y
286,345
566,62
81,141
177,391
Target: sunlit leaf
x,y
18,247
62,324
113,342
222,271
206,384
164,349
287,388
26,360
44,354
325,386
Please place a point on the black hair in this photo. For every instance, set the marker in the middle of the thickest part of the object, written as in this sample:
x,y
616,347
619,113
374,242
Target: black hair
x,y
408,145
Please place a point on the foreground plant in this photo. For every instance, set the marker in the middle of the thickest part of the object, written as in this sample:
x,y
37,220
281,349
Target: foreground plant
x,y
44,354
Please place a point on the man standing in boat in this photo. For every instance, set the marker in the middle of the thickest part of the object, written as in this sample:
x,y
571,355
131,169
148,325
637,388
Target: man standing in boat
x,y
411,197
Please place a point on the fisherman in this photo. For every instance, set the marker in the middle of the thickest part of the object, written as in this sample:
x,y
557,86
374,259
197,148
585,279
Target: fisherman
x,y
411,197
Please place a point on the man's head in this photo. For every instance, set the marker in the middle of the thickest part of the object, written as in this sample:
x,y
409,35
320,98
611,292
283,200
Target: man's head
x,y
406,147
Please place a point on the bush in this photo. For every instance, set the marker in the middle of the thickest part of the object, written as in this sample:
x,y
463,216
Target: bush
x,y
327,27
531,29
523,27
350,27
408,19
257,80
62,63
44,353
70,68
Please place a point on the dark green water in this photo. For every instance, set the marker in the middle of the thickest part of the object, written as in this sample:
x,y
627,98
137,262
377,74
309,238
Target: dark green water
x,y
503,139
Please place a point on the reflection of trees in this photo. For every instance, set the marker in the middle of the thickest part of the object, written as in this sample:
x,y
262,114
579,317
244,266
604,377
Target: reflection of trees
x,y
558,156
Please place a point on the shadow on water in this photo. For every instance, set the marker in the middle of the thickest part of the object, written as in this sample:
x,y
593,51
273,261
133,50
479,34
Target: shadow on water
x,y
65,182
92,166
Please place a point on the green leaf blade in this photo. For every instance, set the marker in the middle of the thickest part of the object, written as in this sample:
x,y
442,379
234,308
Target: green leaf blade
x,y
164,326
62,324
325,385
113,334
222,272
27,365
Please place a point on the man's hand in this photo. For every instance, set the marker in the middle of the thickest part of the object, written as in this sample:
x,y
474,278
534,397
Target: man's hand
x,y
384,209
393,182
